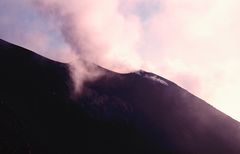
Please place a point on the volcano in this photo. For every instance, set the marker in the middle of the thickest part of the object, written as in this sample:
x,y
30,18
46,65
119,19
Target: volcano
x,y
134,113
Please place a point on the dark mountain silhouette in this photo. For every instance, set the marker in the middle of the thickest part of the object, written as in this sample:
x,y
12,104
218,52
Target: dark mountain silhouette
x,y
134,113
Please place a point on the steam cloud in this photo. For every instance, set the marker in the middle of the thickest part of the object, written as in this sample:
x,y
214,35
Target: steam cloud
x,y
97,31
194,43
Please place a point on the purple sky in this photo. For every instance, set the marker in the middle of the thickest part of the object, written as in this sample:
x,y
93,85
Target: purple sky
x,y
194,43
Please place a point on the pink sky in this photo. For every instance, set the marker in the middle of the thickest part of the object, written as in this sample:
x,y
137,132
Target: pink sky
x,y
194,43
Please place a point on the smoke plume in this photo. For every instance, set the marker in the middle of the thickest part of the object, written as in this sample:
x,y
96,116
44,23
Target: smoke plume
x,y
97,31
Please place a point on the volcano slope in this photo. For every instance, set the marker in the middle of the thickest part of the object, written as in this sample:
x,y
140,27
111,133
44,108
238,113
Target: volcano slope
x,y
134,113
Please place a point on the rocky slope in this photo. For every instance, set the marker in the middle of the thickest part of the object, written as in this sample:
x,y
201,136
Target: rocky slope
x,y
135,113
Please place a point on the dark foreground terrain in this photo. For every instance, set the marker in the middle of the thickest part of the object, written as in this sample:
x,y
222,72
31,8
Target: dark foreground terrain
x,y
135,113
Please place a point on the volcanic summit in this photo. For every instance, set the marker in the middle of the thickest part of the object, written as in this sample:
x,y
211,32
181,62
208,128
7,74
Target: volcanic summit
x,y
134,113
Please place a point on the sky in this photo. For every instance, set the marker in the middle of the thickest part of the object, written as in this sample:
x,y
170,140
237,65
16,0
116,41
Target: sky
x,y
194,43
